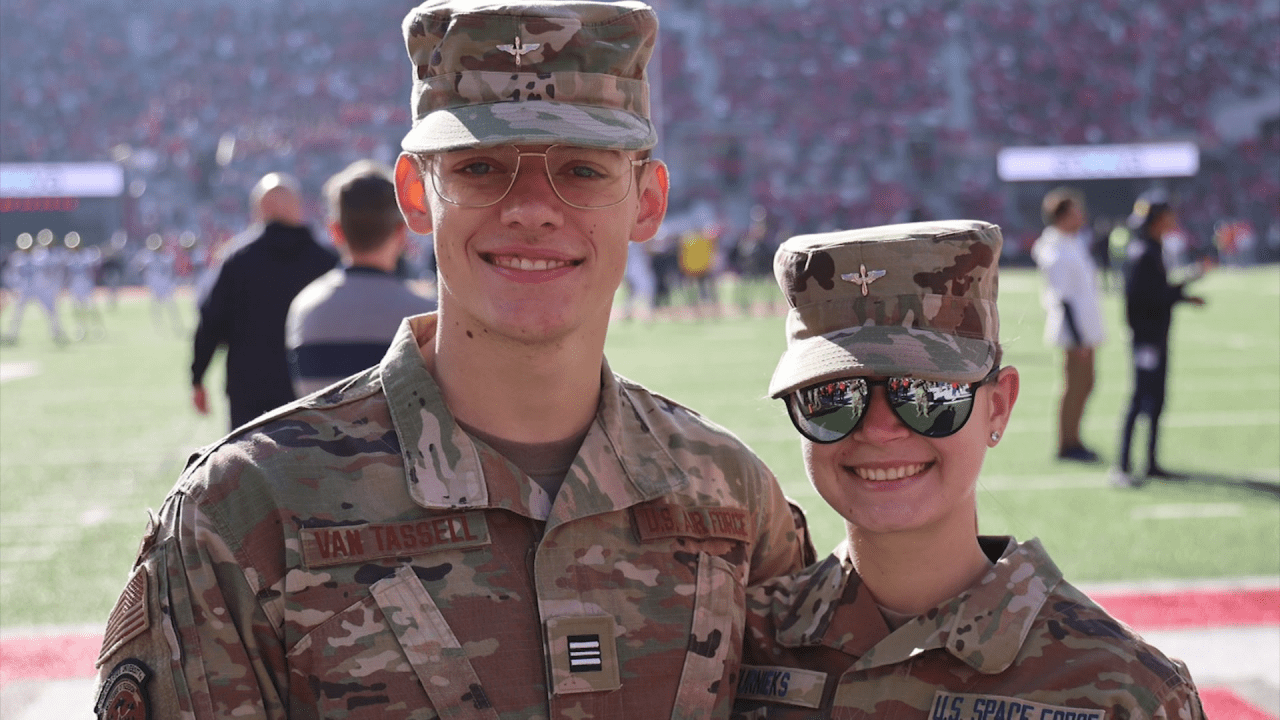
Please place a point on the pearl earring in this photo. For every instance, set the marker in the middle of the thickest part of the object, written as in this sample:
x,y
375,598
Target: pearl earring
x,y
995,436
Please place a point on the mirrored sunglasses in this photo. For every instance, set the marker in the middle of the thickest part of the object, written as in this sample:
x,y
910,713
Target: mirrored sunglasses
x,y
827,412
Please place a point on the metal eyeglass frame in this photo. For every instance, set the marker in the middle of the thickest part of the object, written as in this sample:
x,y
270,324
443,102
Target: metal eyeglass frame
x,y
546,169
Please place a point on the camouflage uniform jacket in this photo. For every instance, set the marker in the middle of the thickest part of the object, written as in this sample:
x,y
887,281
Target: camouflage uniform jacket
x,y
1021,644
356,555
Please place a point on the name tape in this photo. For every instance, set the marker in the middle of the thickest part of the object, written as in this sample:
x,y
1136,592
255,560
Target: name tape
x,y
322,547
961,706
790,686
657,521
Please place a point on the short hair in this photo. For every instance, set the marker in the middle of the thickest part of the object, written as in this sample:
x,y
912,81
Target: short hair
x,y
1058,202
362,200
271,181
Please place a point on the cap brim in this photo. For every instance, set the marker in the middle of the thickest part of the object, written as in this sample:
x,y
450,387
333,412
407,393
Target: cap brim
x,y
534,122
881,351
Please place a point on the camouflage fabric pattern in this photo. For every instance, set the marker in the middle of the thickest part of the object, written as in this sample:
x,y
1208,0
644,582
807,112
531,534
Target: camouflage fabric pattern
x,y
494,73
356,555
1021,636
913,299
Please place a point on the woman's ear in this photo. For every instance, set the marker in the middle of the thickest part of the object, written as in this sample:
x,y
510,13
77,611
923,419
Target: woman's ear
x,y
655,183
1004,393
411,194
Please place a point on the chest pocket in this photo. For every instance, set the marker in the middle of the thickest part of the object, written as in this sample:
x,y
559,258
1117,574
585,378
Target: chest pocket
x,y
433,651
385,657
715,641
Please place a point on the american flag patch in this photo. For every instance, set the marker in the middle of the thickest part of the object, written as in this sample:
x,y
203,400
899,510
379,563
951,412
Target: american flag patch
x,y
129,616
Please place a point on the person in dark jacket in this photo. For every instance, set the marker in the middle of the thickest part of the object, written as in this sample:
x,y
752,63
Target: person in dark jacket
x,y
245,307
1149,300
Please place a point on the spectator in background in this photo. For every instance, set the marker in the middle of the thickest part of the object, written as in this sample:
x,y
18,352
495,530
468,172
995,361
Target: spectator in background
x,y
246,305
1074,310
752,260
642,284
344,321
33,274
159,274
1100,250
698,255
113,267
1148,304
82,266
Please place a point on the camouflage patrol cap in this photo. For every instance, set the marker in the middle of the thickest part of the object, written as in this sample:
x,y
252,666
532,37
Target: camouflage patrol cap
x,y
915,299
553,71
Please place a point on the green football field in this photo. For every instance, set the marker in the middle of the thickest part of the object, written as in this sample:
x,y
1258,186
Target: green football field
x,y
94,434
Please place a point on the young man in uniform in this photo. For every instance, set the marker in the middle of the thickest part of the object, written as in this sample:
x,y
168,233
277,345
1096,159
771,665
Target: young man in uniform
x,y
489,524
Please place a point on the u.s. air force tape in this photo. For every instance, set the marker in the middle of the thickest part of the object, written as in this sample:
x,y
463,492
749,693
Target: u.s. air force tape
x,y
962,706
660,520
789,686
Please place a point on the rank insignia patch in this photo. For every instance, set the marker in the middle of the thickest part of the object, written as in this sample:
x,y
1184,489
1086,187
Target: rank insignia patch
x,y
123,695
584,654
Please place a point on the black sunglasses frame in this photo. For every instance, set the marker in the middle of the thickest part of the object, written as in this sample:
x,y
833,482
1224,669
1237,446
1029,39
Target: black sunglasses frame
x,y
792,402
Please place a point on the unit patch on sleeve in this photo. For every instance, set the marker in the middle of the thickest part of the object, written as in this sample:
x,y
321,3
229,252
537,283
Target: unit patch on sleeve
x,y
342,544
789,686
656,521
961,706
123,695
128,618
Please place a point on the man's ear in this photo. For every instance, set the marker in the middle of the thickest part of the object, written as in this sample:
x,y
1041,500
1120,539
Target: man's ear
x,y
1004,393
335,232
655,184
411,194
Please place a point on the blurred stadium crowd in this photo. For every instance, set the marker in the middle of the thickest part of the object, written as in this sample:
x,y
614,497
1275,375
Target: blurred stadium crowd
x,y
826,112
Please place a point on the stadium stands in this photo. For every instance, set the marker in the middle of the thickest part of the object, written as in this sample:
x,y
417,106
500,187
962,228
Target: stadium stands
x,y
830,113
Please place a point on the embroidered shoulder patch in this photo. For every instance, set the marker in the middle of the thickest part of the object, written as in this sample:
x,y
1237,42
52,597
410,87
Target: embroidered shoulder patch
x,y
656,521
123,695
963,706
790,686
128,618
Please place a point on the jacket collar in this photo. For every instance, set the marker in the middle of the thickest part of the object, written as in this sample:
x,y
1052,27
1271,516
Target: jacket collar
x,y
984,626
446,469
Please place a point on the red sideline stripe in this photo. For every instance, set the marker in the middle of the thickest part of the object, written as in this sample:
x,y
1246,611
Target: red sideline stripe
x,y
69,656
1222,703
48,657
72,656
1194,608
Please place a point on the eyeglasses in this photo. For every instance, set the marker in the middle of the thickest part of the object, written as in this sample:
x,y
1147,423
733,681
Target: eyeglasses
x,y
584,178
829,411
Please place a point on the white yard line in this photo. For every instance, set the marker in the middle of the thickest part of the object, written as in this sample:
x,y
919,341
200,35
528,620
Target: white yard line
x,y
17,370
1160,587
1187,419
1234,656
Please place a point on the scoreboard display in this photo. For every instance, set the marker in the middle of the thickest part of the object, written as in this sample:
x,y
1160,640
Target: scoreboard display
x,y
87,198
